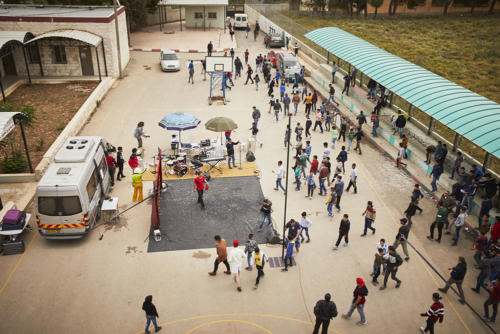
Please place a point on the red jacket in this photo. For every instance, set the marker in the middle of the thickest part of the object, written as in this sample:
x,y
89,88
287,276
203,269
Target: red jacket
x,y
435,312
133,162
495,231
314,165
111,161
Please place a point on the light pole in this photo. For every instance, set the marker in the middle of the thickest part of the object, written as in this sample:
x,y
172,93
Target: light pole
x,y
286,181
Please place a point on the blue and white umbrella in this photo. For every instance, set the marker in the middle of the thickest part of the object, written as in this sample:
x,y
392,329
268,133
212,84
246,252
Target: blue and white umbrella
x,y
179,121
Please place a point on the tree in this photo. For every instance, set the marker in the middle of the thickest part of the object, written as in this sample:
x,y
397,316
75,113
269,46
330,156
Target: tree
x,y
294,4
317,5
492,6
446,5
376,4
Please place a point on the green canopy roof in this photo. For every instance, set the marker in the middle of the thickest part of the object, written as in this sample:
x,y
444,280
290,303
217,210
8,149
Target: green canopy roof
x,y
469,114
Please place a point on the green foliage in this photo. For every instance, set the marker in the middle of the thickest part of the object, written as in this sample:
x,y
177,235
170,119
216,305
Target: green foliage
x,y
39,145
15,163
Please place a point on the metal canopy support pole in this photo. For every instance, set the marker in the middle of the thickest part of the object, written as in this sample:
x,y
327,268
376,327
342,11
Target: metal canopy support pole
x,y
104,58
390,99
118,42
98,64
410,110
361,80
204,14
485,163
40,58
27,66
159,16
25,145
180,16
455,142
3,92
286,184
350,69
328,57
431,123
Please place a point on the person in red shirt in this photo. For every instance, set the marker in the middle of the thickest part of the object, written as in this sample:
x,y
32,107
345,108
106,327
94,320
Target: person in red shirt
x,y
493,299
435,313
358,302
314,164
111,162
199,185
495,230
323,176
133,162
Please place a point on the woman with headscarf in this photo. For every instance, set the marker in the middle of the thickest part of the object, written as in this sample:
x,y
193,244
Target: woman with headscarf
x,y
151,313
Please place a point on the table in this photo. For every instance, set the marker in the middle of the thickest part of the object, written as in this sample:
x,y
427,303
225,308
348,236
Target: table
x,y
109,208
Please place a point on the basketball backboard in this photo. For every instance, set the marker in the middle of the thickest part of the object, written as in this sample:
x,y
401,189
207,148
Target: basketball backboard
x,y
219,63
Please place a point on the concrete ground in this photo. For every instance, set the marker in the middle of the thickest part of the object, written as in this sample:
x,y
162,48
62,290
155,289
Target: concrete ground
x,y
190,39
93,285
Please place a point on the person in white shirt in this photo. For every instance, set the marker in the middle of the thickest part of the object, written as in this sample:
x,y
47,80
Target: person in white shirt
x,y
235,259
459,222
280,175
353,180
259,258
326,151
305,223
383,245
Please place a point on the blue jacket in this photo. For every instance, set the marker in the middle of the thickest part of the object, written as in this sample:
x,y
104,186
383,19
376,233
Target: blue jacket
x,y
437,171
339,188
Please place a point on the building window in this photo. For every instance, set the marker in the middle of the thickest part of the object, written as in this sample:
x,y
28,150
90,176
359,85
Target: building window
x,y
59,54
198,15
212,15
33,54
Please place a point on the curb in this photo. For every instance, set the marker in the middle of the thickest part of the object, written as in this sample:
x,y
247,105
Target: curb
x,y
178,50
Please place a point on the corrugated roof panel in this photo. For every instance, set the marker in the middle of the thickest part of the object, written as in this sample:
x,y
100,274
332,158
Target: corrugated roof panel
x,y
473,116
78,35
18,36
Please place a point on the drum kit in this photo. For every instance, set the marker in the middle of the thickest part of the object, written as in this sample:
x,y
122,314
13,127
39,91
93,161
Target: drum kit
x,y
176,164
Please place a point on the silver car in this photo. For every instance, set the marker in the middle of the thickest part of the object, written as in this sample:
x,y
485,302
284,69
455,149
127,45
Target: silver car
x,y
169,61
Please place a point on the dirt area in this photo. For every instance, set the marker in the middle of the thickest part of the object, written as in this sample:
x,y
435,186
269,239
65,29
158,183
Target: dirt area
x,y
55,105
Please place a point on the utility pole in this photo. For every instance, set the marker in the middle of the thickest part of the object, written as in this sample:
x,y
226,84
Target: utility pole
x,y
118,42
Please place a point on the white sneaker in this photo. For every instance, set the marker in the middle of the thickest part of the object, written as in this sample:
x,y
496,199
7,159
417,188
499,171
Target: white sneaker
x,y
422,329
335,247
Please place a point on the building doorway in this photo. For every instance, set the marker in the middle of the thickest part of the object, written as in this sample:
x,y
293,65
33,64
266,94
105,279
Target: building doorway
x,y
86,61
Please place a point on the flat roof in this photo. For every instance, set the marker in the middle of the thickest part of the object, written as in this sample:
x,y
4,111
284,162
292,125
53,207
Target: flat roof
x,y
41,13
193,2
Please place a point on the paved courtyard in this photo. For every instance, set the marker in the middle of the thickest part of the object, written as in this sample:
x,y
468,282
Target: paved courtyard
x,y
93,285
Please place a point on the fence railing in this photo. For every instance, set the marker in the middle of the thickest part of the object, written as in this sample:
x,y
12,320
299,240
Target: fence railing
x,y
277,14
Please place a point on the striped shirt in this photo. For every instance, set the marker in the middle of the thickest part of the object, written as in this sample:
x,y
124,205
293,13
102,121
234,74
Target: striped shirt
x,y
435,312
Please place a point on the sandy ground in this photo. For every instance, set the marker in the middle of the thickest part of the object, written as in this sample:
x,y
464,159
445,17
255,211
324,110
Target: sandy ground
x,y
93,285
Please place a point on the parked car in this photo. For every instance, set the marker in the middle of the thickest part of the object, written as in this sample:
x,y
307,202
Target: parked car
x,y
276,41
288,64
169,61
240,21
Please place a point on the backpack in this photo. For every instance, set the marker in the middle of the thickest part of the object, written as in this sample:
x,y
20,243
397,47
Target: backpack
x,y
250,156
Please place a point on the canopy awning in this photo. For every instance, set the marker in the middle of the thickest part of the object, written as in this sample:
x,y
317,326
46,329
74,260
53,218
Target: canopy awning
x,y
7,123
470,115
79,35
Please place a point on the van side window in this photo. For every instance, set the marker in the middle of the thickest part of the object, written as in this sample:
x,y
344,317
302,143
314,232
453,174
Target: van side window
x,y
92,185
103,167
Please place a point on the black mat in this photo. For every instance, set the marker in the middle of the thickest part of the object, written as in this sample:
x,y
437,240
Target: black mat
x,y
232,211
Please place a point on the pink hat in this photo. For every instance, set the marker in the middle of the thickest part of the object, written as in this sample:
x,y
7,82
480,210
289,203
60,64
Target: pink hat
x,y
235,243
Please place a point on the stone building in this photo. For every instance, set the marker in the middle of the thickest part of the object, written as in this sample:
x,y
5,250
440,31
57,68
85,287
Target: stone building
x,y
204,14
61,41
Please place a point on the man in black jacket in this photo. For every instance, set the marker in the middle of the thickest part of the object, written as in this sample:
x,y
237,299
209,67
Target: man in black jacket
x,y
151,313
230,152
324,311
457,276
345,225
400,124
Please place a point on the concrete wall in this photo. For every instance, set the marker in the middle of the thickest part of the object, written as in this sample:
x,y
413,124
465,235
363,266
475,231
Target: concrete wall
x,y
192,22
172,16
105,30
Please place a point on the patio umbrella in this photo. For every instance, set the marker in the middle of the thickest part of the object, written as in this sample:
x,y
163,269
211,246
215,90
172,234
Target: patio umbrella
x,y
220,124
179,121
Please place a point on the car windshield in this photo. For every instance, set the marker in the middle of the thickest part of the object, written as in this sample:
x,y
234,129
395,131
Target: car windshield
x,y
291,63
59,206
169,56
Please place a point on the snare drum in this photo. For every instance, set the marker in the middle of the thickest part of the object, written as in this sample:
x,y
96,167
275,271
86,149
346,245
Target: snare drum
x,y
170,163
181,159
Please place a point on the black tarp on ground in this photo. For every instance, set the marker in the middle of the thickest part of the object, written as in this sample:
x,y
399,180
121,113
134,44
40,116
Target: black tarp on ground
x,y
232,211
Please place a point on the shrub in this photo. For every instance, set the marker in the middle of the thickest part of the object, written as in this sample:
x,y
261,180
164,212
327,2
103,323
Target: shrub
x,y
15,163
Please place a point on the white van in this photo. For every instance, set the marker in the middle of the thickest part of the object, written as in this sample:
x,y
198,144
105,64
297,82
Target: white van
x,y
240,21
69,195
